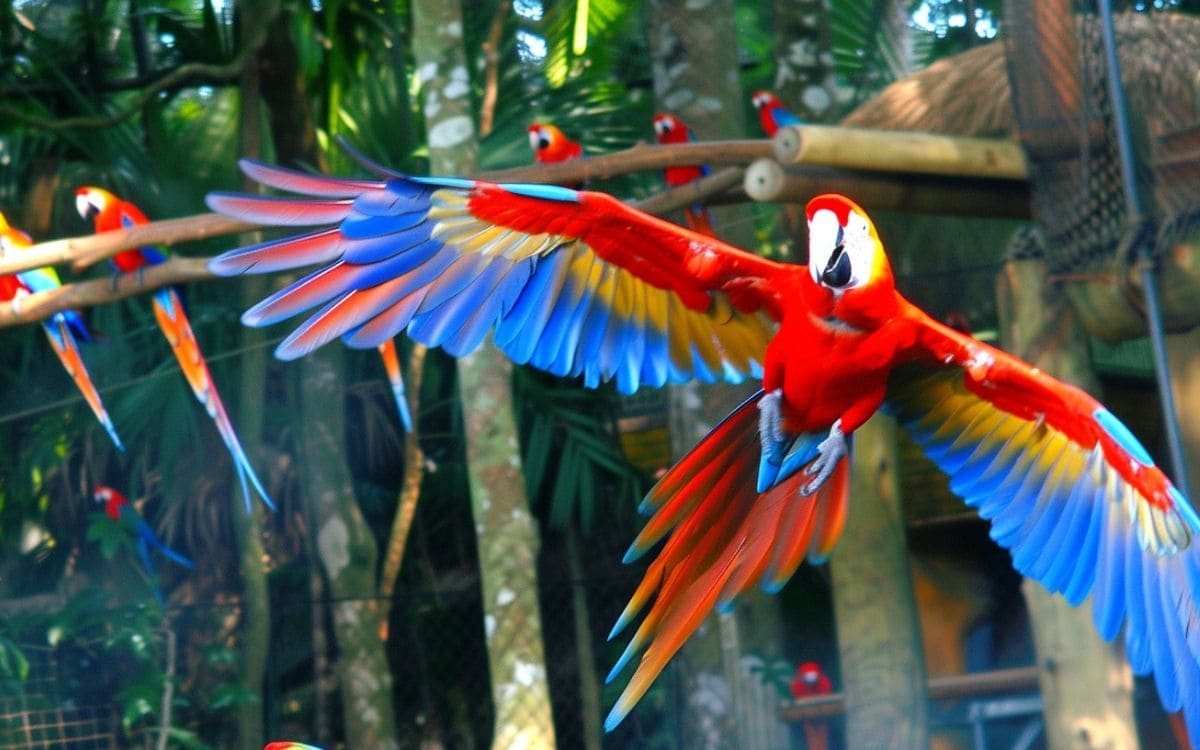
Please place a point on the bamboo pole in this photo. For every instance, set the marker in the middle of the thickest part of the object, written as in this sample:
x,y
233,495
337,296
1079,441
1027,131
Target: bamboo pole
x,y
900,151
768,181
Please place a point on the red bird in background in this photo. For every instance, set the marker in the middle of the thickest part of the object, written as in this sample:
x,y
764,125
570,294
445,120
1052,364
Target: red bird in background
x,y
550,145
670,129
109,212
811,681
772,115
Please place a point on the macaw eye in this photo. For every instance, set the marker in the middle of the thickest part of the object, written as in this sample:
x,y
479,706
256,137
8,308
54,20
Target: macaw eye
x,y
837,273
663,126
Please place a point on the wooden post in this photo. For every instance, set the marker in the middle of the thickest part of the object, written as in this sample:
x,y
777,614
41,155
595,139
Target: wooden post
x,y
900,151
1086,684
769,181
883,669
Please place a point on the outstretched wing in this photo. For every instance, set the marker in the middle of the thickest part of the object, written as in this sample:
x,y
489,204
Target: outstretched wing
x,y
724,537
1071,494
575,283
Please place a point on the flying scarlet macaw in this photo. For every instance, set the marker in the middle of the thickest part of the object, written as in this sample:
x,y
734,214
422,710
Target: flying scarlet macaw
x,y
772,115
109,212
119,509
670,129
550,145
64,329
578,283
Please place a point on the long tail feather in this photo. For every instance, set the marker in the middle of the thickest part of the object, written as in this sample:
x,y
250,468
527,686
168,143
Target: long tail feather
x,y
63,343
168,309
724,537
391,363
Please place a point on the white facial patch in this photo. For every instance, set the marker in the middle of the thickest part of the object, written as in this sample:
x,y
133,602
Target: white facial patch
x,y
825,233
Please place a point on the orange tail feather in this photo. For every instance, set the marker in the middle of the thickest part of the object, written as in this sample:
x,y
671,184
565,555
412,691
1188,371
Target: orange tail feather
x,y
168,310
63,343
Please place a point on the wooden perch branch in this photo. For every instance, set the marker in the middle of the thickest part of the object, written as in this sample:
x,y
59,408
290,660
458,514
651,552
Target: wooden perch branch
x,y
703,190
637,159
82,252
98,291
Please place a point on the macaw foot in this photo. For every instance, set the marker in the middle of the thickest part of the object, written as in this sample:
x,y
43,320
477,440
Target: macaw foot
x,y
774,439
829,451
112,283
141,275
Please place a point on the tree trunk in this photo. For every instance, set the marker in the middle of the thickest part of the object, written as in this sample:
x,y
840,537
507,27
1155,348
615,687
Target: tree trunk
x,y
694,49
1086,683
883,668
256,616
804,79
508,539
346,549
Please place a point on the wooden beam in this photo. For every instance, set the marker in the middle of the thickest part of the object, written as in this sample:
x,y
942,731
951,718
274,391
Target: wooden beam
x,y
949,687
770,182
900,151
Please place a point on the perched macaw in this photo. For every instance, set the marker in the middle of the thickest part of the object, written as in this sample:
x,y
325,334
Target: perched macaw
x,y
109,212
550,145
119,509
64,329
810,681
670,129
578,283
772,115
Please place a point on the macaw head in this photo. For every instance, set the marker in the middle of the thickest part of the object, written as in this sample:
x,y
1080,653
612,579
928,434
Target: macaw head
x,y
11,238
810,680
670,129
763,99
550,144
94,204
103,493
846,259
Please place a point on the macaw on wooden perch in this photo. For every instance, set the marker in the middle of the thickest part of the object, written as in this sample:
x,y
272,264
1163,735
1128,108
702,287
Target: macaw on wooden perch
x,y
550,145
772,115
119,509
109,212
670,129
578,283
64,329
810,681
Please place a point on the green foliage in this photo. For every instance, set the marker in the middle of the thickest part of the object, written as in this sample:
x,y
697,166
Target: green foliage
x,y
14,665
109,535
570,449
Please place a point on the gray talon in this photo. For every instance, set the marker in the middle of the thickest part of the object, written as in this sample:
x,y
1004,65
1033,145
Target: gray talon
x,y
829,451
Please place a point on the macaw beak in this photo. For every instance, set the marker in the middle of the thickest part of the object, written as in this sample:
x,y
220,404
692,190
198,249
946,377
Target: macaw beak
x,y
85,206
